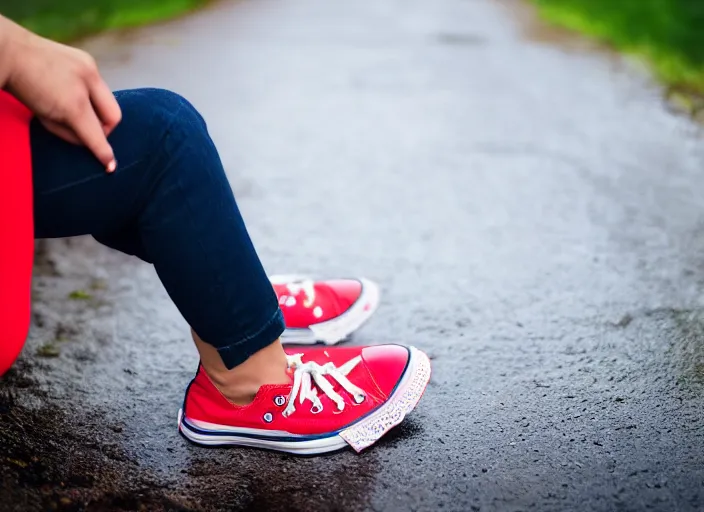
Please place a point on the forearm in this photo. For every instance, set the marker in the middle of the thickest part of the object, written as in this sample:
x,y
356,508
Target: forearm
x,y
11,35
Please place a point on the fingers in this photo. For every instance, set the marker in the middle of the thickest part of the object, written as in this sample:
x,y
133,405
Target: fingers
x,y
66,133
105,105
89,130
94,113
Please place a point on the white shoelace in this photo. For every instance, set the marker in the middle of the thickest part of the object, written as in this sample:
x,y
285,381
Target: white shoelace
x,y
307,286
307,374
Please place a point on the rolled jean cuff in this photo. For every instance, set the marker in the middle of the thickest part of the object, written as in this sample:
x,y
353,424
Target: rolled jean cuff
x,y
237,353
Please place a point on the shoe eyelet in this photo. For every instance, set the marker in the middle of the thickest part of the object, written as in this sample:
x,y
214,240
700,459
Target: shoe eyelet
x,y
280,400
358,399
316,408
268,417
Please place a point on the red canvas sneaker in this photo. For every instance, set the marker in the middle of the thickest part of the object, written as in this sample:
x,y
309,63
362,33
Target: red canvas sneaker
x,y
337,397
324,311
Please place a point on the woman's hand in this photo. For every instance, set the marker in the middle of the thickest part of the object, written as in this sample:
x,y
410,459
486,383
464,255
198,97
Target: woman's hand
x,y
63,87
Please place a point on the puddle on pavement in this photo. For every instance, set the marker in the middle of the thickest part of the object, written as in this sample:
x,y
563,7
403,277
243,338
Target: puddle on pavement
x,y
59,459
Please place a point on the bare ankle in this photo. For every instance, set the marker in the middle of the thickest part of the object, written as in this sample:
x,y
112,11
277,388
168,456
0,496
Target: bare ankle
x,y
236,393
241,384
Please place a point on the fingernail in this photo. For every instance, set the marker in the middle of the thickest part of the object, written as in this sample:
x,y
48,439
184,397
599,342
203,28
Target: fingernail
x,y
112,166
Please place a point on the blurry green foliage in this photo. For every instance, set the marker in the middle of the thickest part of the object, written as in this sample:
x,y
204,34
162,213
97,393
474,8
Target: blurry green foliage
x,y
65,20
667,33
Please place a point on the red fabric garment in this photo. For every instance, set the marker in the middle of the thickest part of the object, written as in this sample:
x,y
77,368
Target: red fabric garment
x,y
16,228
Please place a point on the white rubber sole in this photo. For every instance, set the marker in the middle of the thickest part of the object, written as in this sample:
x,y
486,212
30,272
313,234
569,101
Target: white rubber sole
x,y
359,435
332,332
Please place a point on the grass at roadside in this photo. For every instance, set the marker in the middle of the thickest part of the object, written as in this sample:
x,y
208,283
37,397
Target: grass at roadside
x,y
65,20
668,34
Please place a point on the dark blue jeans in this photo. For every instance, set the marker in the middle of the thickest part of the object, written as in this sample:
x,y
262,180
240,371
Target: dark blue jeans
x,y
170,204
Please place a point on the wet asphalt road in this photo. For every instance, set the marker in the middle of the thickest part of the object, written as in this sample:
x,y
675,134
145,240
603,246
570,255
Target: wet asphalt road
x,y
529,206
